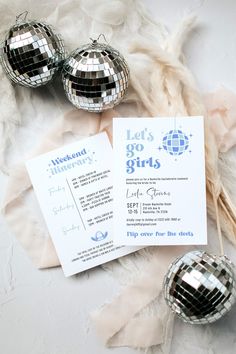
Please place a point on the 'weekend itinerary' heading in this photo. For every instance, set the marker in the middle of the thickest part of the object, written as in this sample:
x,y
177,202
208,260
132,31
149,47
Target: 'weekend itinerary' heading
x,y
60,164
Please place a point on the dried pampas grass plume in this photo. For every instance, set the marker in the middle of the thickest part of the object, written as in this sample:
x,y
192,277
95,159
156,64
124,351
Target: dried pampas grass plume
x,y
173,92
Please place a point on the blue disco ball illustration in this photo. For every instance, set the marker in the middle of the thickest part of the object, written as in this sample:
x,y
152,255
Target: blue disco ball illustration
x,y
175,142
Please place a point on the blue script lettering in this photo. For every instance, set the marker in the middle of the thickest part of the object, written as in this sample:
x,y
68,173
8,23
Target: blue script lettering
x,y
141,135
131,165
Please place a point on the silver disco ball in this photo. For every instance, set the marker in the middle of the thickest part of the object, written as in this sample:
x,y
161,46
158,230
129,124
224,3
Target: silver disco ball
x,y
200,287
95,77
31,53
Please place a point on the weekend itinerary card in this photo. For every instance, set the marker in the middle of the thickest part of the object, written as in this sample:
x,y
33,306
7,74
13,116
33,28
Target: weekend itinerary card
x,y
159,181
74,188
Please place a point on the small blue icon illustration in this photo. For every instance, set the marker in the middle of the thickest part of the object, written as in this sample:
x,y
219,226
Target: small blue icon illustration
x,y
99,236
175,142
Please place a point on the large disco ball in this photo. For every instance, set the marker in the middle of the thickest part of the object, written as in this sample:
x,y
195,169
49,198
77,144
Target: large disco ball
x,y
175,142
31,53
200,287
95,77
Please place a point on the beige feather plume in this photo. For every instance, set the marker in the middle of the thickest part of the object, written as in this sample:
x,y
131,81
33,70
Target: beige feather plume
x,y
173,91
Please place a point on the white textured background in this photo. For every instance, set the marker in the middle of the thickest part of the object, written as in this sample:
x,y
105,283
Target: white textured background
x,y
42,312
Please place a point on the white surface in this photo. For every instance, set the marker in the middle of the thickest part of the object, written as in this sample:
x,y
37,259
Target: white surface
x,y
42,312
189,228
69,227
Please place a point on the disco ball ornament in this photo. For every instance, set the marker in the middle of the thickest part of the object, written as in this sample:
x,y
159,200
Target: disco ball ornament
x,y
200,287
175,142
31,53
95,77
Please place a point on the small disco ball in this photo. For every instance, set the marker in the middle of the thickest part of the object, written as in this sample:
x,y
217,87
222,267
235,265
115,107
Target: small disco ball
x,y
31,53
95,77
200,287
175,142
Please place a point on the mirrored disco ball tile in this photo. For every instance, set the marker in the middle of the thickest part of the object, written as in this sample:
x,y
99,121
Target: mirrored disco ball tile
x,y
200,288
91,77
32,53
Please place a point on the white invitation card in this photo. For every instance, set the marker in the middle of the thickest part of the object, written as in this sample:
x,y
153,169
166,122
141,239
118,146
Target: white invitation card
x,y
74,188
159,181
